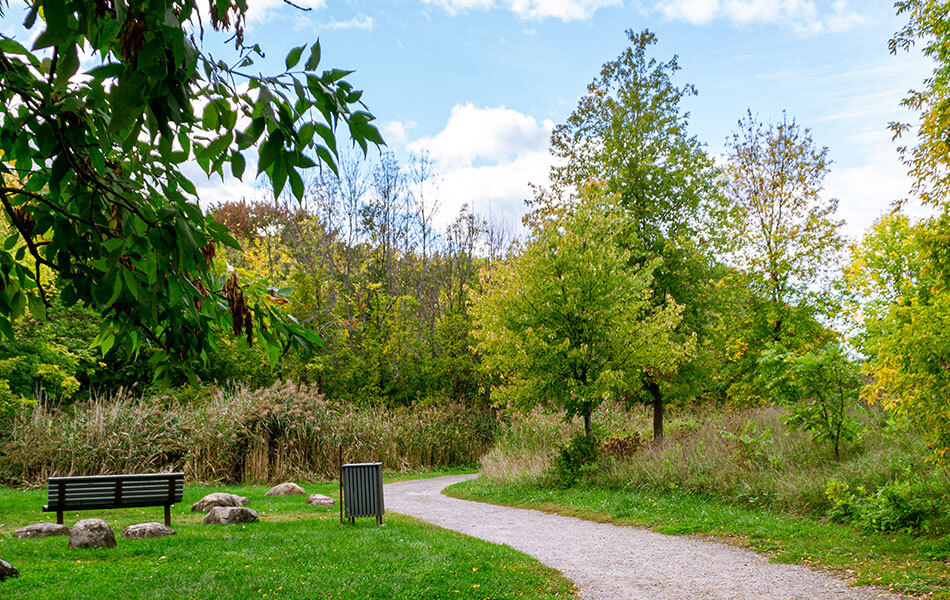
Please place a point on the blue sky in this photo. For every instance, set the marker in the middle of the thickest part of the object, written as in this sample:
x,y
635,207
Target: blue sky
x,y
479,83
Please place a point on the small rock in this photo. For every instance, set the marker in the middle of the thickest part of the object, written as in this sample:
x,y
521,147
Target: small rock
x,y
147,530
320,500
230,515
40,530
218,499
7,570
285,489
91,533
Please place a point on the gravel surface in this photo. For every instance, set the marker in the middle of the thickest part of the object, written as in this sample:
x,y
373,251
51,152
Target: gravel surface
x,y
614,562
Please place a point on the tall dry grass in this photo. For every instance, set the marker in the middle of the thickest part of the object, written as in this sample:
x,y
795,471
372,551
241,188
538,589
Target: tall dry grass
x,y
278,433
748,456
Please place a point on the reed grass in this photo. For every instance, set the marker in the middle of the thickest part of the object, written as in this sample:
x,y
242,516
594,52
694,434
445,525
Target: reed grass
x,y
279,433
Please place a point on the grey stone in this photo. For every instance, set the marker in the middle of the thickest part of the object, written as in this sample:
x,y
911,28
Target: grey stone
x,y
230,515
147,530
40,530
285,489
91,533
218,499
320,500
7,570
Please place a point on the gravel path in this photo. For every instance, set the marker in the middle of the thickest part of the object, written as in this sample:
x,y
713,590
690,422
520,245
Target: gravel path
x,y
613,562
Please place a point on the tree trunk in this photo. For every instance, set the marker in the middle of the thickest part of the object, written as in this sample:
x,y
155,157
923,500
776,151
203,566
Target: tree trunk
x,y
588,429
654,390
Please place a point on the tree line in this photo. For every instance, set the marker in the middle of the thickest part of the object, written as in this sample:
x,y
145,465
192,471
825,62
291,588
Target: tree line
x,y
650,273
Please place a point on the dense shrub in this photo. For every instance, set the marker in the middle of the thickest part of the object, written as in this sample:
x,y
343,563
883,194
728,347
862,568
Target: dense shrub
x,y
276,433
574,461
899,505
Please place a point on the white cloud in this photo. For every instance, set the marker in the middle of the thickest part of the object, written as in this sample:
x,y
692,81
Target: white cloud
x,y
361,22
803,16
397,131
868,191
565,10
500,189
486,158
489,134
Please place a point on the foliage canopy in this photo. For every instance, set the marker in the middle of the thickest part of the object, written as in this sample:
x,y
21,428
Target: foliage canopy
x,y
103,202
567,322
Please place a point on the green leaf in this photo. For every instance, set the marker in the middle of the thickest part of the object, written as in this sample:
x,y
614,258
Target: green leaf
x,y
249,136
10,46
106,342
237,164
293,57
17,304
296,183
37,308
334,75
314,59
57,24
209,117
6,329
185,235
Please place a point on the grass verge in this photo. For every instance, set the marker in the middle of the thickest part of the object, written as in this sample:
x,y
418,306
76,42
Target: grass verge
x,y
901,562
296,551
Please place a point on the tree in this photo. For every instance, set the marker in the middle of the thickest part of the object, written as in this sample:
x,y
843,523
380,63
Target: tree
x,y
910,345
884,268
820,389
105,206
567,322
929,161
788,235
630,133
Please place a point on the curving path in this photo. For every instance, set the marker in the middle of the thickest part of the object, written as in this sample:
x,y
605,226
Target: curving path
x,y
613,562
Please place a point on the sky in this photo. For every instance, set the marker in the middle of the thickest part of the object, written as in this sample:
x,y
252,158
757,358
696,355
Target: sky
x,y
479,84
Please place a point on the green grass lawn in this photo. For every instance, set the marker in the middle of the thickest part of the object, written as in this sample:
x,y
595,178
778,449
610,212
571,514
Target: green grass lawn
x,y
907,564
296,551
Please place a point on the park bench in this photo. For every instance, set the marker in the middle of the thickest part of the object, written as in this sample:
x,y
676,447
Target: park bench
x,y
114,491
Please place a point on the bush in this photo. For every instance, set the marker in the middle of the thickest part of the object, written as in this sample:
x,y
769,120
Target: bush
x,y
899,505
575,460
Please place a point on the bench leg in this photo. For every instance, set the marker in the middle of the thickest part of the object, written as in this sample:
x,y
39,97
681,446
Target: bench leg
x,y
168,516
59,517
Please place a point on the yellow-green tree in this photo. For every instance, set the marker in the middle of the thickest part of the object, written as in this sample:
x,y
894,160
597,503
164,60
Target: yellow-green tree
x,y
567,322
909,338
928,161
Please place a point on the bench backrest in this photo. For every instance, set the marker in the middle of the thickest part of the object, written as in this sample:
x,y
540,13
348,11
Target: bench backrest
x,y
115,491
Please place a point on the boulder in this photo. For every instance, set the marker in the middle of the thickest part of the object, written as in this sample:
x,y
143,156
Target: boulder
x,y
91,533
285,489
320,500
7,570
40,530
218,499
147,530
230,515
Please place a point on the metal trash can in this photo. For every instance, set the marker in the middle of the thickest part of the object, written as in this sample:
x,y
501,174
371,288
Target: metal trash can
x,y
362,488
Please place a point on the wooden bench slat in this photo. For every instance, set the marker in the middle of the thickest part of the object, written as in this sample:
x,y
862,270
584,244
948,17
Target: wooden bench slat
x,y
131,476
115,491
88,505
108,488
160,494
162,499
